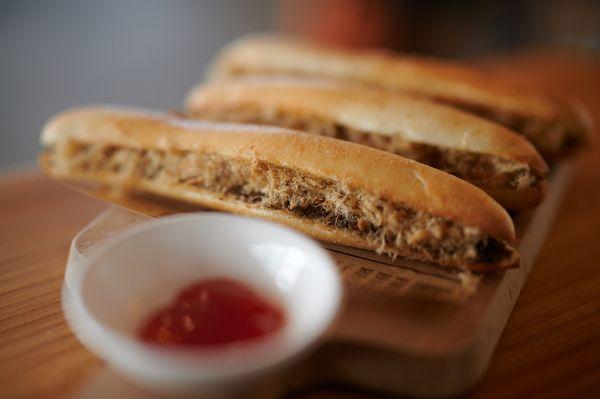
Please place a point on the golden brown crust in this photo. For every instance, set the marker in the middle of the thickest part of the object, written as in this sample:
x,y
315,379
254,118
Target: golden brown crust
x,y
380,112
521,199
386,175
444,81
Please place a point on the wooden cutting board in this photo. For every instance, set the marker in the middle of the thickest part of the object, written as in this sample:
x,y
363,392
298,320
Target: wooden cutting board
x,y
423,330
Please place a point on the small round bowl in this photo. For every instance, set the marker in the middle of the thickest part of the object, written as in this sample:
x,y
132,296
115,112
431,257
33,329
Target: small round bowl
x,y
136,271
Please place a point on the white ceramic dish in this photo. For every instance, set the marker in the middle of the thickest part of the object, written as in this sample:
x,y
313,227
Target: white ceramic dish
x,y
109,290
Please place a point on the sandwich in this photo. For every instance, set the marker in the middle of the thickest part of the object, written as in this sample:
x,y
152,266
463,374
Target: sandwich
x,y
554,126
479,151
335,191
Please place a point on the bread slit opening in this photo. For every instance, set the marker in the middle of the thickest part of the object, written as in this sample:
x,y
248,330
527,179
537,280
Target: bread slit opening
x,y
386,227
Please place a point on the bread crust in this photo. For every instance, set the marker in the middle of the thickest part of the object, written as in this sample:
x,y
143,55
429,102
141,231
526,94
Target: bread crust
x,y
383,174
521,199
443,81
385,113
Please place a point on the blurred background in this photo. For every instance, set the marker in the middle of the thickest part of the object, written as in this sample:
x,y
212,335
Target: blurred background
x,y
61,53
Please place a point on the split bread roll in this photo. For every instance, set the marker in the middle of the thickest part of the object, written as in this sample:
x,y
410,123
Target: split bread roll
x,y
333,190
484,153
554,126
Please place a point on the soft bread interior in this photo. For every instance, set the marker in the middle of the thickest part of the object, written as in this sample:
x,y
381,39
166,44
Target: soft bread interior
x,y
258,187
483,170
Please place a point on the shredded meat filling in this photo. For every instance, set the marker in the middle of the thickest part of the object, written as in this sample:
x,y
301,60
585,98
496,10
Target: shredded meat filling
x,y
480,169
392,228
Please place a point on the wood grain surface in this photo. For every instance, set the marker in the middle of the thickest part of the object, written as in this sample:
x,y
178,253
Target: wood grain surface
x,y
550,347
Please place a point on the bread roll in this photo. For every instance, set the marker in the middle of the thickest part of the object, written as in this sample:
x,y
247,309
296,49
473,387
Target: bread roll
x,y
333,190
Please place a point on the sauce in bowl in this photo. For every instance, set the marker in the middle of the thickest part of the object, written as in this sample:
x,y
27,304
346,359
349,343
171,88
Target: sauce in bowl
x,y
212,312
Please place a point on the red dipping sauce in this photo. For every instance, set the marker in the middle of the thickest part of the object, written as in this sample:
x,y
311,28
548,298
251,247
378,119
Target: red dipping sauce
x,y
212,312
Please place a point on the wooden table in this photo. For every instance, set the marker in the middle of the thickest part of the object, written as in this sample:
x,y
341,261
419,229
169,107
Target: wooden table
x,y
550,347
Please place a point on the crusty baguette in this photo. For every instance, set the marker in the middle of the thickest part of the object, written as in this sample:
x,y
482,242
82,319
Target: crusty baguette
x,y
477,150
554,126
333,190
